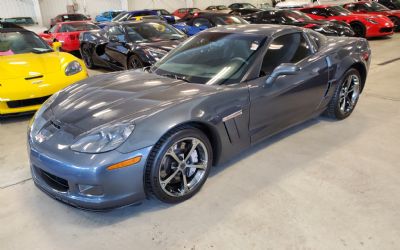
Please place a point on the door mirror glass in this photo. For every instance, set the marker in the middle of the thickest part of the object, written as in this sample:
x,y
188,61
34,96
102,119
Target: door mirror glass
x,y
283,69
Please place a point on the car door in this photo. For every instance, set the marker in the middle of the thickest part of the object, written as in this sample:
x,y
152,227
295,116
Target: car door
x,y
117,48
289,99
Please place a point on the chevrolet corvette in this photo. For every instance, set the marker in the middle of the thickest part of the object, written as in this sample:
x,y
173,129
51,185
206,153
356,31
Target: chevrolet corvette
x,y
129,45
117,138
31,71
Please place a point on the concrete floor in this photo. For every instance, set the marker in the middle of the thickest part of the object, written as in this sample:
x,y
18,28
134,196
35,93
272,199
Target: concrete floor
x,y
321,185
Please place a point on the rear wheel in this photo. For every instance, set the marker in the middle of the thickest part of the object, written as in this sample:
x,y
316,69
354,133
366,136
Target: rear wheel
x,y
179,165
359,29
134,62
346,96
396,22
87,56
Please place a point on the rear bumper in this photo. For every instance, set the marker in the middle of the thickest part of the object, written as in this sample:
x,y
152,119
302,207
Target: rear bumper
x,y
63,180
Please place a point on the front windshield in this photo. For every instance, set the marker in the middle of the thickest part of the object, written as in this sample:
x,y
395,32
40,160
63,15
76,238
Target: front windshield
x,y
12,43
248,6
152,31
211,58
222,7
75,17
20,20
72,27
229,20
373,6
115,13
294,16
338,11
122,16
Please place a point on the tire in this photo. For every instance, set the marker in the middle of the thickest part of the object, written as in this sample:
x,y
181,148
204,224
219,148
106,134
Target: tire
x,y
396,22
134,62
169,177
359,29
87,57
346,96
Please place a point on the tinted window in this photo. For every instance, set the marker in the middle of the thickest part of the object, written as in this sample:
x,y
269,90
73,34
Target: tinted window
x,y
290,48
21,42
201,22
73,18
117,32
71,27
229,20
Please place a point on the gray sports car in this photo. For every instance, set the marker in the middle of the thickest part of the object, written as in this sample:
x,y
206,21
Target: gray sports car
x,y
116,138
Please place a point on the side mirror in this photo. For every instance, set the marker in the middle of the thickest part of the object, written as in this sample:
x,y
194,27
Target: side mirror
x,y
283,69
46,32
57,46
114,39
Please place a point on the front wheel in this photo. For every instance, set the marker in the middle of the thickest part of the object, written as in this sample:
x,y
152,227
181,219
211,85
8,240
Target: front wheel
x,y
134,62
179,165
346,96
87,56
396,22
359,29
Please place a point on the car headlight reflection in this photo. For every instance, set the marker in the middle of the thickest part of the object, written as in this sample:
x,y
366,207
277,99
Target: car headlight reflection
x,y
73,68
104,139
371,20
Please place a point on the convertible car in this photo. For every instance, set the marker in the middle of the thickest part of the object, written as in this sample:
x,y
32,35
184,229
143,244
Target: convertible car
x,y
298,18
129,45
31,71
116,138
68,34
365,7
363,25
192,25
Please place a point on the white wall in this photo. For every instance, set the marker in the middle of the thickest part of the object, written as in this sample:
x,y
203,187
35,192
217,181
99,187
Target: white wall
x,y
15,8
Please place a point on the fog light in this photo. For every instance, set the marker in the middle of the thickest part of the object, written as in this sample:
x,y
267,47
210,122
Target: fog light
x,y
90,190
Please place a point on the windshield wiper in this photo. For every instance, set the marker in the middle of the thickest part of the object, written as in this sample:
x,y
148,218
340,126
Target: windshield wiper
x,y
176,77
41,51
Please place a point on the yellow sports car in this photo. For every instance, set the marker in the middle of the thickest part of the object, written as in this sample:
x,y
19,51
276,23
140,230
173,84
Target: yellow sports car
x,y
31,71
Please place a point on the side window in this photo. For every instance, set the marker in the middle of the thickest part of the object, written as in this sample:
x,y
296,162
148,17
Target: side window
x,y
315,38
360,7
181,10
53,29
350,7
290,48
116,31
201,22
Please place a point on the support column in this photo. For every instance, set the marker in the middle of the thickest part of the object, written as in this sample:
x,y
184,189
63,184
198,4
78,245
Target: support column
x,y
124,5
38,12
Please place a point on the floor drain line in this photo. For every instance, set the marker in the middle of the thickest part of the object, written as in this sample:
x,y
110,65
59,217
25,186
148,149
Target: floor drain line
x,y
389,61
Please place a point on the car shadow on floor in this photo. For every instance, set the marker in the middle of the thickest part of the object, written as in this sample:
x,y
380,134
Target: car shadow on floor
x,y
110,217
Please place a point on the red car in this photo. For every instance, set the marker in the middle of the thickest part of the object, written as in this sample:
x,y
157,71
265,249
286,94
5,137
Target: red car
x,y
181,13
375,8
68,34
363,25
68,18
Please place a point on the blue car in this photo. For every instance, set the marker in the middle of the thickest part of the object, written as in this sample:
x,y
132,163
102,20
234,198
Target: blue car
x,y
193,24
108,15
131,15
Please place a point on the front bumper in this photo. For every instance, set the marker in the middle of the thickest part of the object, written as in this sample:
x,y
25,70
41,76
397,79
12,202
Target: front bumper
x,y
62,176
24,92
385,29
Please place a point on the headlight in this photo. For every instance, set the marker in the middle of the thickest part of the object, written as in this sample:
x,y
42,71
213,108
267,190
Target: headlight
x,y
73,68
371,20
157,54
38,121
103,139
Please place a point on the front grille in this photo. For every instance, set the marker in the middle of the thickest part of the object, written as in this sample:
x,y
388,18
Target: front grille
x,y
53,181
27,102
385,30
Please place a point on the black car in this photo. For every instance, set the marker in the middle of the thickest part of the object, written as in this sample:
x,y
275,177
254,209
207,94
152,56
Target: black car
x,y
6,25
297,18
236,6
391,4
67,18
129,45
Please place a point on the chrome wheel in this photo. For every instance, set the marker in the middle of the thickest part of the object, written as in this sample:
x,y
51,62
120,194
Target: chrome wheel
x,y
135,63
183,167
349,93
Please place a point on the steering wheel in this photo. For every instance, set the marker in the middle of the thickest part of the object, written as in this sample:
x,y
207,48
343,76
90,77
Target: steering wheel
x,y
239,59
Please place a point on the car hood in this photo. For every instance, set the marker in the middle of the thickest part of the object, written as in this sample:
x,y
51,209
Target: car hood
x,y
29,65
166,45
114,97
